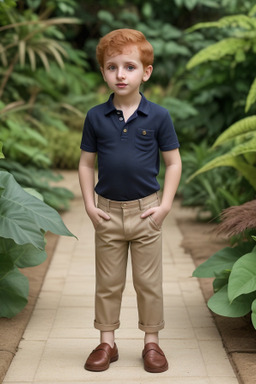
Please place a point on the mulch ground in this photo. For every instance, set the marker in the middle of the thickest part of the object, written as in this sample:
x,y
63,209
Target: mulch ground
x,y
238,335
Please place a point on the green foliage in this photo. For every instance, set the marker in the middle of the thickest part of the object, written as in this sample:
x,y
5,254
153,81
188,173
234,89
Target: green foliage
x,y
41,180
63,156
213,191
242,135
235,280
24,222
35,101
235,52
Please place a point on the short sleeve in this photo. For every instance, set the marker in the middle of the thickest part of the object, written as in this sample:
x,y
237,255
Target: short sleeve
x,y
89,140
167,137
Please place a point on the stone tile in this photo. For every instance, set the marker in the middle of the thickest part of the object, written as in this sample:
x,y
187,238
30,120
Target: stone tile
x,y
76,301
223,380
207,333
73,317
200,316
216,360
53,284
25,363
79,285
48,300
42,319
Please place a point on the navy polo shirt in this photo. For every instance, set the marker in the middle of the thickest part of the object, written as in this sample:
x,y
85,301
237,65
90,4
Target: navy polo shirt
x,y
128,152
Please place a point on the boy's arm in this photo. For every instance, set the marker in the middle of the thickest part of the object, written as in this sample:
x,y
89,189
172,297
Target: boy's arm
x,y
173,168
86,172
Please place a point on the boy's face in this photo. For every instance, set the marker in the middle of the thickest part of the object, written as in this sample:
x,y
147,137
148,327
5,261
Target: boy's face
x,y
124,72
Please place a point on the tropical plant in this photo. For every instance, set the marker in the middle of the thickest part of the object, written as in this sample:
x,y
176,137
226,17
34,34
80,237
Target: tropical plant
x,y
211,192
234,268
44,181
39,93
239,140
240,151
24,221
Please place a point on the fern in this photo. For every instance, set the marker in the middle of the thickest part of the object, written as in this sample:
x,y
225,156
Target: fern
x,y
241,21
253,11
239,128
248,171
239,156
251,98
216,51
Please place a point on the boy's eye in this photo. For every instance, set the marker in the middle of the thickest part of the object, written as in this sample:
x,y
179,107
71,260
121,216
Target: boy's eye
x,y
130,67
111,67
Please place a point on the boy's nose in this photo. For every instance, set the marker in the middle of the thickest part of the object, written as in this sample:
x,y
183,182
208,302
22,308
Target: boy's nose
x,y
120,73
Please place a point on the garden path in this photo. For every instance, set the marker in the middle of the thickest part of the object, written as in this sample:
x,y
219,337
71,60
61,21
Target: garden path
x,y
60,334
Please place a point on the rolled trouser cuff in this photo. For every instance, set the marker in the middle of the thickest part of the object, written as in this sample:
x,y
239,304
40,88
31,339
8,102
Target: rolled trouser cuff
x,y
106,327
151,328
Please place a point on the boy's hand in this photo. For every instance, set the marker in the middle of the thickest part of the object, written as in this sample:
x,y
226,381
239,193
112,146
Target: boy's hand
x,y
96,214
158,214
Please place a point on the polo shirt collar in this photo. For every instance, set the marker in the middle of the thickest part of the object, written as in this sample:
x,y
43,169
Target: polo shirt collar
x,y
142,108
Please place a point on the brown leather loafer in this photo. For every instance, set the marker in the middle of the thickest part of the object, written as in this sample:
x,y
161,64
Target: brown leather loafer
x,y
101,357
154,359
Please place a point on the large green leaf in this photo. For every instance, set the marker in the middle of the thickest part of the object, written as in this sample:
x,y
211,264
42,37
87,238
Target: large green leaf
x,y
6,264
228,160
25,218
223,260
253,316
1,153
216,51
239,128
242,279
14,288
22,256
251,98
220,304
241,21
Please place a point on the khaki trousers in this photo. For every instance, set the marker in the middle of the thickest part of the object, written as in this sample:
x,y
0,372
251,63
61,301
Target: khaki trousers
x,y
113,238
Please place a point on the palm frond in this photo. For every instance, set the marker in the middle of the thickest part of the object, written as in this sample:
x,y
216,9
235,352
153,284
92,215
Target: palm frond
x,y
241,127
241,21
32,58
230,160
225,47
43,58
22,52
251,98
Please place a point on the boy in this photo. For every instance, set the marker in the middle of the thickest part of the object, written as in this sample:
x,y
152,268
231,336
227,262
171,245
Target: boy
x,y
126,133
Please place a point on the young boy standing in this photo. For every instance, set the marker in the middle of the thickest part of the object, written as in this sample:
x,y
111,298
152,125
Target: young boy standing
x,y
127,133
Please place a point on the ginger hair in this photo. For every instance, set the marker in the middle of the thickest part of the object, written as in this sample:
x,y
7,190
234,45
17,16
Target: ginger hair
x,y
116,41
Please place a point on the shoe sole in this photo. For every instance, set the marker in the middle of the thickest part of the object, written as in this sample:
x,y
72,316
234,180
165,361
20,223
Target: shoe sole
x,y
157,370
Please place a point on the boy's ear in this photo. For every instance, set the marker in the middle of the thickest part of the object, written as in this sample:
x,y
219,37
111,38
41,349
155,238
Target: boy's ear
x,y
147,72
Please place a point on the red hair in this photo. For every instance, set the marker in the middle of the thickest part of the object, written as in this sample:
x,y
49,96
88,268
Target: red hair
x,y
114,43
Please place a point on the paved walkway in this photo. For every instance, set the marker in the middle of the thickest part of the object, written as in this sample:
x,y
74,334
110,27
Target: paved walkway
x,y
60,333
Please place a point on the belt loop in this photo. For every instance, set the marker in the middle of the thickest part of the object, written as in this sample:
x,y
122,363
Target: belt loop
x,y
107,205
141,204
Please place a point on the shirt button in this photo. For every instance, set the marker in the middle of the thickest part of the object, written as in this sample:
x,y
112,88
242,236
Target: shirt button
x,y
125,130
144,133
120,118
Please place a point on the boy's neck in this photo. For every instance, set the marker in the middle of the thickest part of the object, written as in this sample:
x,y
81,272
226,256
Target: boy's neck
x,y
127,102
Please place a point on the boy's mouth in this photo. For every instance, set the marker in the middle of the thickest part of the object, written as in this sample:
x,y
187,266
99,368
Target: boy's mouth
x,y
121,85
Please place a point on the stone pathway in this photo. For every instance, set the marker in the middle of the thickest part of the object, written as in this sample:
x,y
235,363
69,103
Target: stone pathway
x,y
60,334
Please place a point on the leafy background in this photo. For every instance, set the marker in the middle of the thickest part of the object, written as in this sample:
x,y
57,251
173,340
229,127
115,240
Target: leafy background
x,y
204,74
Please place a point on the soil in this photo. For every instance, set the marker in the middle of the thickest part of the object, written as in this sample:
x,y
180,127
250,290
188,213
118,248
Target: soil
x,y
238,335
